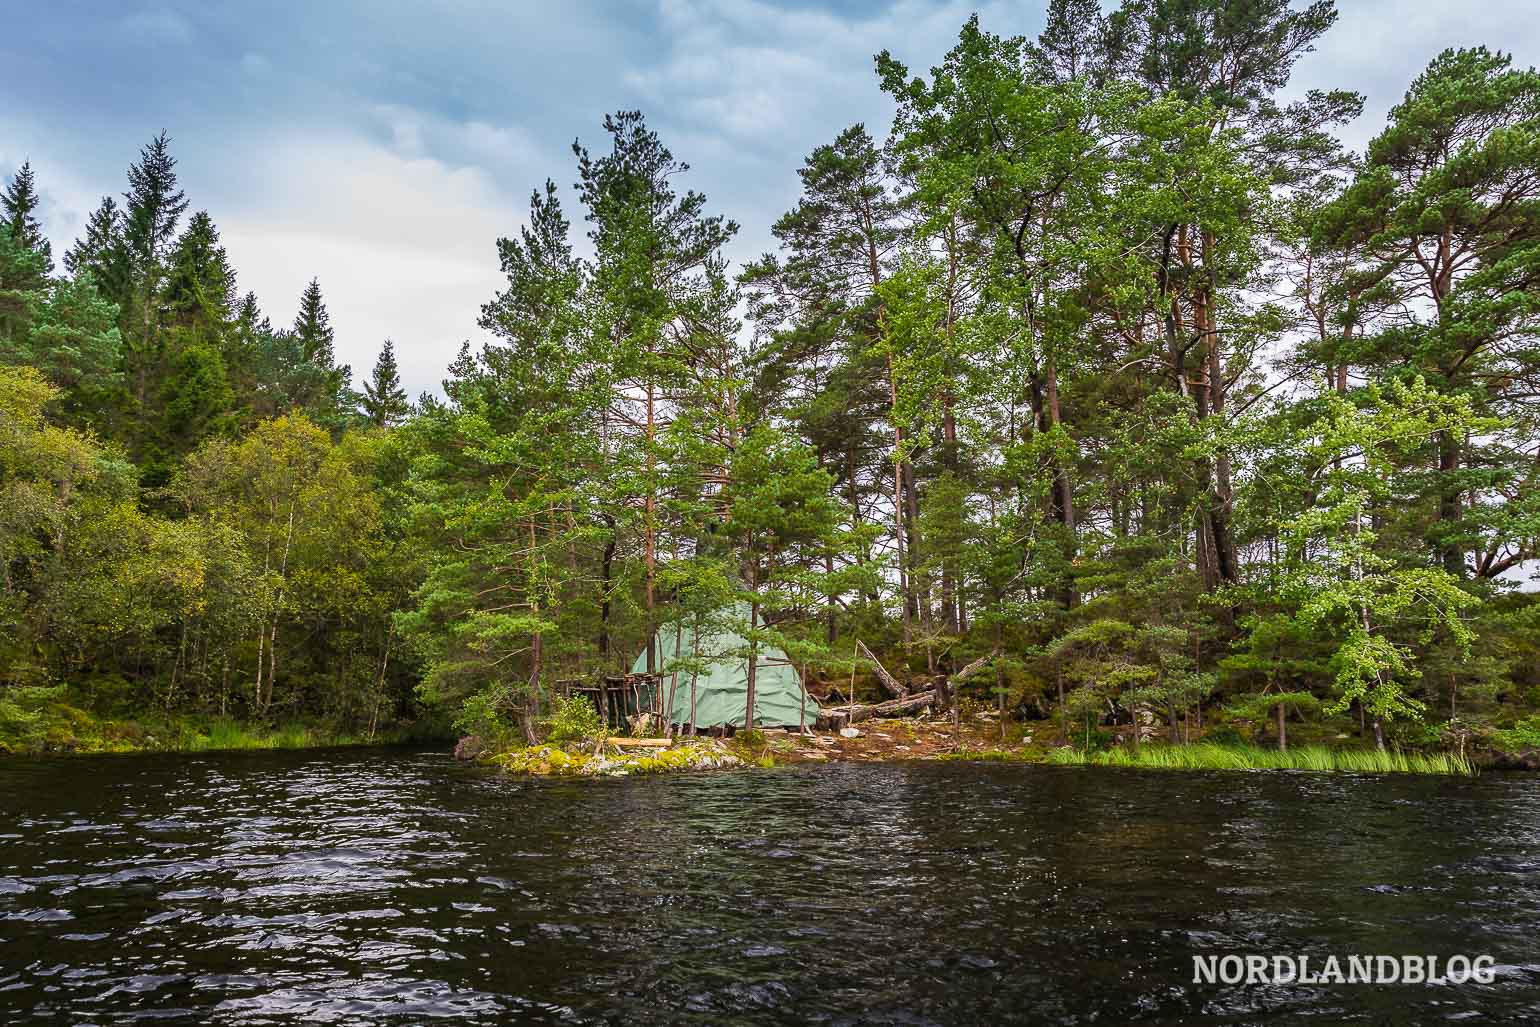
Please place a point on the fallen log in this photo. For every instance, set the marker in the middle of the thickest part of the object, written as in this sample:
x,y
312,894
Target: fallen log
x,y
837,717
973,667
890,684
638,743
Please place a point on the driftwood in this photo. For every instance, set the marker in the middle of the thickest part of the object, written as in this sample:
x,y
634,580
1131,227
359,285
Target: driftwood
x,y
890,684
836,717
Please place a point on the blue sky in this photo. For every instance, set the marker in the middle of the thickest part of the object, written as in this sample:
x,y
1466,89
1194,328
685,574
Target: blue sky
x,y
383,147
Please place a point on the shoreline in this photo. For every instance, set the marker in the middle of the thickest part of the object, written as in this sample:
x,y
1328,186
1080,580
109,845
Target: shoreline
x,y
913,740
907,741
105,737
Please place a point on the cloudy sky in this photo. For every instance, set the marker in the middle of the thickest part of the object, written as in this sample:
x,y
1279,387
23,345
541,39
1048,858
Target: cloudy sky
x,y
383,147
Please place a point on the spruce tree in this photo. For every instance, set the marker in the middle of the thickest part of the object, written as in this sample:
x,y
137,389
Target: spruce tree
x,y
313,326
153,206
200,284
22,280
383,402
319,383
101,248
16,210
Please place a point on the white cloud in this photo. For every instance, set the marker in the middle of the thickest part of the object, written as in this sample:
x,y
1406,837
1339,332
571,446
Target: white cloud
x,y
383,149
403,245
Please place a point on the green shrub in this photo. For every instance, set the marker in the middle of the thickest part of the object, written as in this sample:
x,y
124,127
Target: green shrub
x,y
574,720
1523,735
25,720
1226,735
483,715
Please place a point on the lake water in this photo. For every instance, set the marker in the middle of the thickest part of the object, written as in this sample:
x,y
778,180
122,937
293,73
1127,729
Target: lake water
x,y
399,887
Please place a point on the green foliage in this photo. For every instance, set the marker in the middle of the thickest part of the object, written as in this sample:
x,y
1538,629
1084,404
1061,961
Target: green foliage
x,y
1108,366
575,721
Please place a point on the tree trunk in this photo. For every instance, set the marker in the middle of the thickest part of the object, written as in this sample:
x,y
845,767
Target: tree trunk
x,y
841,716
753,668
890,684
651,538
1449,510
606,573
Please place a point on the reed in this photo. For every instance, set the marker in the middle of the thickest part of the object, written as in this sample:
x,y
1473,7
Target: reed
x,y
1210,756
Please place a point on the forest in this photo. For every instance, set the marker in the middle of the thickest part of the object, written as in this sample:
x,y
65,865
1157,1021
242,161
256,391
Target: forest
x,y
1110,365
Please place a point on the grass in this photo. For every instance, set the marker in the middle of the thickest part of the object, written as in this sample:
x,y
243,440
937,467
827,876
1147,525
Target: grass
x,y
1211,756
227,735
991,756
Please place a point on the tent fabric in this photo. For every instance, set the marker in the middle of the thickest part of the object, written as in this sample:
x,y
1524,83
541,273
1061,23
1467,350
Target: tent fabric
x,y
722,689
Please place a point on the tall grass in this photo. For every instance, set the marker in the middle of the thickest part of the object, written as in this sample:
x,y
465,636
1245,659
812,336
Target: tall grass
x,y
224,735
1210,756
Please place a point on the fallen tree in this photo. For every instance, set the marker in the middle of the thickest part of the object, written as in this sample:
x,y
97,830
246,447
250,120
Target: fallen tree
x,y
890,684
836,717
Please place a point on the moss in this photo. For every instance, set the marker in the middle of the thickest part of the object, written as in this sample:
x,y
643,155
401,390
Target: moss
x,y
554,761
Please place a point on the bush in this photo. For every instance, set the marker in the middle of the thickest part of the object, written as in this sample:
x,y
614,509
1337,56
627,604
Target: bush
x,y
1523,735
482,716
1226,735
574,720
25,720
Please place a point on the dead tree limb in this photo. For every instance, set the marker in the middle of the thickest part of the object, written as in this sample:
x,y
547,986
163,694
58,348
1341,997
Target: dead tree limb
x,y
973,667
890,684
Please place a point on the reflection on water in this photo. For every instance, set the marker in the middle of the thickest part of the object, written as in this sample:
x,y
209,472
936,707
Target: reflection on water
x,y
398,887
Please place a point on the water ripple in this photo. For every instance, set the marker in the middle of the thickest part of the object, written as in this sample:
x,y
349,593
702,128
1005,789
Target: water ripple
x,y
397,888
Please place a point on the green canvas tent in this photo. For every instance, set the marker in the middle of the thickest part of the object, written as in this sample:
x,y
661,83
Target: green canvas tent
x,y
722,689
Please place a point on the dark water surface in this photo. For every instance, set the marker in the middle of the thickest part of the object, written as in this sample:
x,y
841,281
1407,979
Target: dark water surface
x,y
399,887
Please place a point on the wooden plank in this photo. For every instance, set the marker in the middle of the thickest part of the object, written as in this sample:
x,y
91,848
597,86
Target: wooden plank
x,y
639,743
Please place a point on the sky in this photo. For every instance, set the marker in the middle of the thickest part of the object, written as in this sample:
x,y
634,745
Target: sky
x,y
383,147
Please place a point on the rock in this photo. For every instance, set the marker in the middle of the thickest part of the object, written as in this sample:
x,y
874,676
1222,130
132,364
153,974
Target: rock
x,y
849,732
470,747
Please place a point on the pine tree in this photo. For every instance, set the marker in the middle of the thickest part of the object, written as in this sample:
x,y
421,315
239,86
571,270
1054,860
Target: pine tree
x,y
816,317
73,338
1444,217
384,402
662,303
16,210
